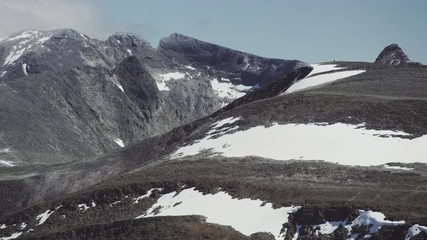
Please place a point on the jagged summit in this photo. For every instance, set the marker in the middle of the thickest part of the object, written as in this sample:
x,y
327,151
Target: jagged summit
x,y
129,39
392,55
180,42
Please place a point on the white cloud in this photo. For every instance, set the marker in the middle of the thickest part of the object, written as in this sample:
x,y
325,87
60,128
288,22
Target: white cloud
x,y
82,15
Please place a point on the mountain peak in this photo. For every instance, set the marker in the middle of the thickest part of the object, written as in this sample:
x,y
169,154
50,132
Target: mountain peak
x,y
392,55
129,39
183,43
179,36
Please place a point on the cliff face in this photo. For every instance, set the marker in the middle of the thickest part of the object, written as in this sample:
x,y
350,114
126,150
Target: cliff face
x,y
238,66
392,55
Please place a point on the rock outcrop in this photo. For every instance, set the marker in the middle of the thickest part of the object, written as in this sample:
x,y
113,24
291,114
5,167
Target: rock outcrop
x,y
392,55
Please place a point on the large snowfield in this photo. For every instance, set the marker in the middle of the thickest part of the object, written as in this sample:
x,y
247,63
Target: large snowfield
x,y
161,83
250,216
245,215
338,143
326,74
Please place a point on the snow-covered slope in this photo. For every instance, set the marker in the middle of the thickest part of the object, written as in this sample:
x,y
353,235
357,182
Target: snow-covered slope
x,y
340,143
22,42
248,216
245,215
322,74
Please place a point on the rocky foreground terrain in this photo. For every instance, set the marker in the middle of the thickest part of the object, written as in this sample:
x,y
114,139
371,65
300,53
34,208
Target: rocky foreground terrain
x,y
330,151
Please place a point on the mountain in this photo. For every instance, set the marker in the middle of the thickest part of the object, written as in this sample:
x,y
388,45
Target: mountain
x,y
66,97
116,139
393,55
337,154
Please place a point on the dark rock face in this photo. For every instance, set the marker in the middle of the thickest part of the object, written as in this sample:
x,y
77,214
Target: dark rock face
x,y
310,216
392,55
392,233
307,216
244,68
140,87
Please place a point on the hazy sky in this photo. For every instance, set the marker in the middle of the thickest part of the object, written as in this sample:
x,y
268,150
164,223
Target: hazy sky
x,y
311,31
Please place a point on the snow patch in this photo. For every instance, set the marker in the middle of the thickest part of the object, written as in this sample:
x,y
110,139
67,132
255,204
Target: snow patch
x,y
5,150
161,83
340,143
3,226
172,75
23,35
162,86
119,142
83,207
42,40
13,236
24,69
23,226
190,67
3,73
44,216
218,129
129,51
321,79
296,235
247,64
245,215
398,168
7,163
415,230
319,68
117,83
137,199
83,36
225,89
327,227
13,56
376,219
225,121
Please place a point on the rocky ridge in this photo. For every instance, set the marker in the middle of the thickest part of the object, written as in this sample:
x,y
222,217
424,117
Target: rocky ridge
x,y
78,97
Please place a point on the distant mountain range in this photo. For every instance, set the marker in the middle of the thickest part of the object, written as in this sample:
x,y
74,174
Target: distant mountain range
x,y
190,140
67,97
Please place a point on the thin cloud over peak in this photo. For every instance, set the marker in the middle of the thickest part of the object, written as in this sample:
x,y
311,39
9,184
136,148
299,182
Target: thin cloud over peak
x,y
84,16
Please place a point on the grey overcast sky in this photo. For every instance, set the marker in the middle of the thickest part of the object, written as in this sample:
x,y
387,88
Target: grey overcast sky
x,y
312,31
